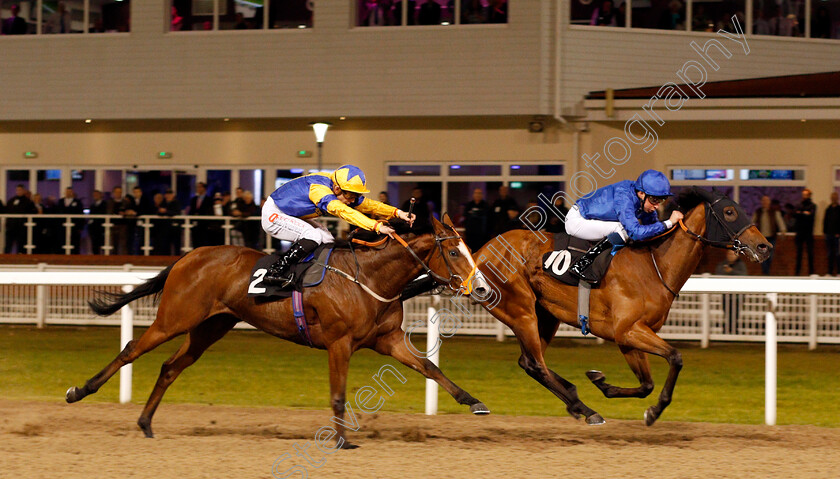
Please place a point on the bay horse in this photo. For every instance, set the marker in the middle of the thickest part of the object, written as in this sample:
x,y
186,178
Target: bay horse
x,y
629,307
204,294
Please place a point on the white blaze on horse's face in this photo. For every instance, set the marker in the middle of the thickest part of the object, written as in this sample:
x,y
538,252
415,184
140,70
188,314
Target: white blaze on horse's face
x,y
475,280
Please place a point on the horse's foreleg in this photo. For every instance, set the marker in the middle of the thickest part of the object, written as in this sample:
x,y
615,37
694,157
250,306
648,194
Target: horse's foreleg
x,y
394,346
644,339
339,358
533,362
152,338
637,360
198,340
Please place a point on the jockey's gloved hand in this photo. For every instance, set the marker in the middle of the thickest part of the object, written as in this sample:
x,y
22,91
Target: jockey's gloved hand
x,y
384,229
406,217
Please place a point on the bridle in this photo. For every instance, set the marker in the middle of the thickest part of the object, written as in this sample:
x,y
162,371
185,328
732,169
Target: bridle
x,y
734,242
440,279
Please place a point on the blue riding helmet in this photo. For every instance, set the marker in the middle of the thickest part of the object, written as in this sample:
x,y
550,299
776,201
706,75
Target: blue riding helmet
x,y
654,183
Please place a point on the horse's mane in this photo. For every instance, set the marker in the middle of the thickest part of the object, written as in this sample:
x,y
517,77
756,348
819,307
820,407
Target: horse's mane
x,y
692,196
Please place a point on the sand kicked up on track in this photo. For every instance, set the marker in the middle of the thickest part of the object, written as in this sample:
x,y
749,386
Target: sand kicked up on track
x,y
40,440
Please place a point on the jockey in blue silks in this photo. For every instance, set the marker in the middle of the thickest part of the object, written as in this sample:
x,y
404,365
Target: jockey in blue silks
x,y
287,214
618,212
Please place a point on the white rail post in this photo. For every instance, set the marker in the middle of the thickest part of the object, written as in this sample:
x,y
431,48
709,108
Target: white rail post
x,y
770,361
126,335
432,335
500,332
705,320
812,322
41,301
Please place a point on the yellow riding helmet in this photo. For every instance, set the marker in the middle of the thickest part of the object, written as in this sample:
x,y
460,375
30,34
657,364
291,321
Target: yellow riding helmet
x,y
350,178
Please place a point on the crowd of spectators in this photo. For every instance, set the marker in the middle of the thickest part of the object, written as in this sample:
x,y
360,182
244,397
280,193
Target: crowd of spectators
x,y
127,235
480,219
430,12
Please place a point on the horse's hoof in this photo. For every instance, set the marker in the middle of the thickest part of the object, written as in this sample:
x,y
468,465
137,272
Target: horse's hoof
x,y
146,428
479,409
595,375
72,395
595,420
347,445
650,416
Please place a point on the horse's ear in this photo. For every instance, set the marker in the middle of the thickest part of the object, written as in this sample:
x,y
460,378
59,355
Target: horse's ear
x,y
447,220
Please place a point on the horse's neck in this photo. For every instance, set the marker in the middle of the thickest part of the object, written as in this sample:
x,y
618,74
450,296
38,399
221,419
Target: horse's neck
x,y
679,256
387,271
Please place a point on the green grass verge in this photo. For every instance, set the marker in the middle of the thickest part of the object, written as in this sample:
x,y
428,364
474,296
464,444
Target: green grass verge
x,y
724,383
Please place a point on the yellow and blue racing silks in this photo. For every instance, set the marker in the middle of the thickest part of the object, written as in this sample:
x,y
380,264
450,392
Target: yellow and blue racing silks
x,y
311,196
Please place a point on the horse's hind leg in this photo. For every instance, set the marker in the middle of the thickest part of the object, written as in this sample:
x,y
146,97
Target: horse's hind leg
x,y
533,362
152,338
394,346
198,340
637,360
645,340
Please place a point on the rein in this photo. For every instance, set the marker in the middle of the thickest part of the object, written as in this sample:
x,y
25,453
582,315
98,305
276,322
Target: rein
x,y
440,279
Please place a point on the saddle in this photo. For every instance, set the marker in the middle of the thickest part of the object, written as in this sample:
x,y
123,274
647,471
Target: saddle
x,y
307,273
567,249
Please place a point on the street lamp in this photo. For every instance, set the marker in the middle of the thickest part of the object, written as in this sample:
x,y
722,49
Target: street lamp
x,y
320,129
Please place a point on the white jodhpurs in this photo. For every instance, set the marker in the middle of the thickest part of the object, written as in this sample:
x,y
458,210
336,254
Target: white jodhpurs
x,y
288,228
591,230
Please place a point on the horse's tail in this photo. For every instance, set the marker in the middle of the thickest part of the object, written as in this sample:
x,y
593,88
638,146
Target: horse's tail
x,y
109,303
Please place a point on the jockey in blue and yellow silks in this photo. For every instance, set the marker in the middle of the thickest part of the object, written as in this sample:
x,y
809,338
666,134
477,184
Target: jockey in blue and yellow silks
x,y
618,212
287,213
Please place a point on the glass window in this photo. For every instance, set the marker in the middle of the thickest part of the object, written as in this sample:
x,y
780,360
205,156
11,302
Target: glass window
x,y
110,180
218,181
700,174
290,14
414,170
153,181
19,18
598,13
400,192
782,197
184,188
768,174
83,183
284,176
49,185
824,18
474,170
659,14
252,180
382,13
713,15
536,170
109,16
15,178
782,18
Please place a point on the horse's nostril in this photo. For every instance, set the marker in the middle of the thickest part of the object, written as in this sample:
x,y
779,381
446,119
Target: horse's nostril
x,y
481,291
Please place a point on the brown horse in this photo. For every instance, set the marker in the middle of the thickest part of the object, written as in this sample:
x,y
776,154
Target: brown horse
x,y
204,294
629,307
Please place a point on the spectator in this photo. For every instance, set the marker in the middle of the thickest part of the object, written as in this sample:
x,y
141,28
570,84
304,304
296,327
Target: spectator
x,y
505,209
96,230
770,223
804,228
70,205
239,23
59,21
248,230
15,25
621,15
20,204
216,231
172,208
821,23
422,210
473,12
53,234
383,197
177,22
119,232
557,224
375,13
429,13
831,230
161,226
200,205
41,237
731,266
761,26
498,11
604,15
476,221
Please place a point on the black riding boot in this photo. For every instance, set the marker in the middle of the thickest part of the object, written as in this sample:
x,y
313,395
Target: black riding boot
x,y
278,273
584,262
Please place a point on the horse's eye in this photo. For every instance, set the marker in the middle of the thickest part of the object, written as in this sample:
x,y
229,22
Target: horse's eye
x,y
453,252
